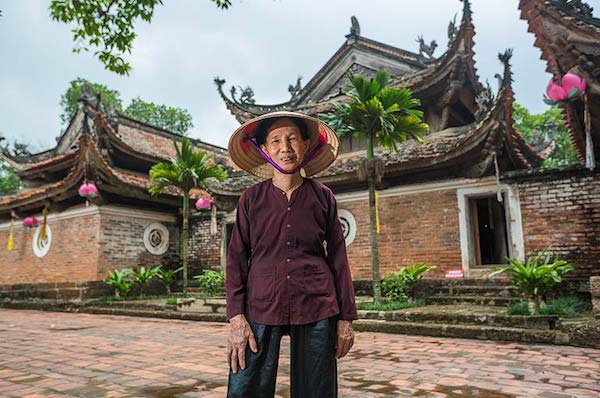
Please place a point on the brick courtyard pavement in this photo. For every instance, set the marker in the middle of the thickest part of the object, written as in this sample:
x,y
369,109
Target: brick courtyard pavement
x,y
44,354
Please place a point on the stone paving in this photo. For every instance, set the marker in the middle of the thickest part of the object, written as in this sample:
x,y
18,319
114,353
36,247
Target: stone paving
x,y
48,354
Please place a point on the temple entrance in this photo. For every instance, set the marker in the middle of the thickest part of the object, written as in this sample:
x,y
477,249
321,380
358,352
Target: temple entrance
x,y
489,230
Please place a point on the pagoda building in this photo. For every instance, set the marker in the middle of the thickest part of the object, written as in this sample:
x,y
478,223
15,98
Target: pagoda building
x,y
441,201
123,226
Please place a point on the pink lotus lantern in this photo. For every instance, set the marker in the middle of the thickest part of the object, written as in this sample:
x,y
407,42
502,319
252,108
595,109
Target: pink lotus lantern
x,y
88,191
203,204
30,222
572,87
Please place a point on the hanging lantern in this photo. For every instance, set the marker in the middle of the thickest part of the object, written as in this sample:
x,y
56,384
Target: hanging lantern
x,y
11,240
88,191
203,204
30,222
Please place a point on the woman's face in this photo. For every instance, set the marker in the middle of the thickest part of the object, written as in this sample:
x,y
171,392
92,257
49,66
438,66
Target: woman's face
x,y
284,144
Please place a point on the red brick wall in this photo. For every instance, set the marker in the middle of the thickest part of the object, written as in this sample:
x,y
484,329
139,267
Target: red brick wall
x,y
122,244
419,227
563,211
204,247
72,257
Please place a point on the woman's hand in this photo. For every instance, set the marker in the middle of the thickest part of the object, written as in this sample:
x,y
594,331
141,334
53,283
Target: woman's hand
x,y
240,334
345,338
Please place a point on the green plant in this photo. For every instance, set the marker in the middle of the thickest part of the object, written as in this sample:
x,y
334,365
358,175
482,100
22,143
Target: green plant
x,y
381,114
537,277
389,305
518,308
211,282
564,307
190,168
143,276
400,285
121,280
166,276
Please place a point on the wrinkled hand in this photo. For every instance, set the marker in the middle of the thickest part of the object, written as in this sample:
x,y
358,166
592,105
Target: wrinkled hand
x,y
240,334
345,338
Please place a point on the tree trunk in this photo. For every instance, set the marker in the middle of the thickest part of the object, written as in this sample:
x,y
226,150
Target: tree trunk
x,y
532,305
168,290
184,242
373,225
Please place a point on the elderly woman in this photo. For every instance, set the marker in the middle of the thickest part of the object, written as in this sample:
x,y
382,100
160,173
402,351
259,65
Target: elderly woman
x,y
287,268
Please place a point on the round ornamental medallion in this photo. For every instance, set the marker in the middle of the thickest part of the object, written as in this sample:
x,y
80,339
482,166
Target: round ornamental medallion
x,y
348,225
156,238
41,246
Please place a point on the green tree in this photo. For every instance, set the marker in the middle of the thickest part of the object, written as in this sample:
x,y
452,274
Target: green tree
x,y
381,114
173,119
189,169
9,181
108,26
69,101
547,126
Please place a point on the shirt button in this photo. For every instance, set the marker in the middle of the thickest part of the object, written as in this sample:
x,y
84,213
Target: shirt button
x,y
289,208
289,276
288,225
283,193
288,260
289,243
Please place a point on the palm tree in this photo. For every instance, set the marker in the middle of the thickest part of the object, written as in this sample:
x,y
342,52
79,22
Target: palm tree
x,y
189,169
378,113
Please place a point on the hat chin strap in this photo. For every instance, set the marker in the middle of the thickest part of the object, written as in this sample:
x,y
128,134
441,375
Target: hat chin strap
x,y
307,158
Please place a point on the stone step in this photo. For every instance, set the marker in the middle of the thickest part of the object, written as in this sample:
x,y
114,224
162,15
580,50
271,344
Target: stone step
x,y
488,316
192,316
500,282
466,299
462,290
481,332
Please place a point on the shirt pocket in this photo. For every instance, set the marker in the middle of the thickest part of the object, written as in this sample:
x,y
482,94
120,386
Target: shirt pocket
x,y
317,280
261,284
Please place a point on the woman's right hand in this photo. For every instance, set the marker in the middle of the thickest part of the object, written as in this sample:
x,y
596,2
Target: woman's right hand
x,y
240,335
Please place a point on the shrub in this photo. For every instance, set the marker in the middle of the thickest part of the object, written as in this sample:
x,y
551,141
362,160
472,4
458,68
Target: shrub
x,y
518,308
121,280
166,276
211,282
143,277
400,285
537,277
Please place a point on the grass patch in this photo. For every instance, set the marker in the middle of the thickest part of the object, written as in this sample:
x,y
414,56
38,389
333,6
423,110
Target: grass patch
x,y
518,308
389,305
564,307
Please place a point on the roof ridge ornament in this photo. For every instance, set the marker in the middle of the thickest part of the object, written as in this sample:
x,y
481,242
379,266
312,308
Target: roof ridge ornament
x,y
484,101
467,11
425,50
354,30
452,30
506,79
294,90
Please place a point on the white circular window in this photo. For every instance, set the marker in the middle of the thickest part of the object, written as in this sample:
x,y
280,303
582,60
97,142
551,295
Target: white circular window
x,y
42,246
348,225
156,238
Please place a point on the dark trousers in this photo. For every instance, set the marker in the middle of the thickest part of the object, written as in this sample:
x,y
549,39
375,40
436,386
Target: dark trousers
x,y
313,370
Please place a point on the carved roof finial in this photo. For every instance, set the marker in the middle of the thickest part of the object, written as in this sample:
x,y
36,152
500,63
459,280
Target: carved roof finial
x,y
467,12
578,6
426,50
355,28
505,57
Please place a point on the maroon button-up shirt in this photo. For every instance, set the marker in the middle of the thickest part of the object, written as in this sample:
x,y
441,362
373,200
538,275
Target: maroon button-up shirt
x,y
279,271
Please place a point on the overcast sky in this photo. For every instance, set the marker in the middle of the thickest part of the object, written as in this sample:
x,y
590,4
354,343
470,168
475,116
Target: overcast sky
x,y
262,43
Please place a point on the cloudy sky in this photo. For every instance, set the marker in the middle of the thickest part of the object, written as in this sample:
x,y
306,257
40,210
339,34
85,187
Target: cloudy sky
x,y
262,43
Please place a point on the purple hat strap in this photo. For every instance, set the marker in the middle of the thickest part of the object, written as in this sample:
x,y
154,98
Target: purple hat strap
x,y
307,158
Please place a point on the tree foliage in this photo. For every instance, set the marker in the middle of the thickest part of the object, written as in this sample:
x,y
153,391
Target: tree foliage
x,y
69,101
9,181
174,119
108,26
544,127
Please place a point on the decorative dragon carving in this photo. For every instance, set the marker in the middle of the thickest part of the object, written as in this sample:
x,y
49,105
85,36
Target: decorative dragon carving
x,y
426,50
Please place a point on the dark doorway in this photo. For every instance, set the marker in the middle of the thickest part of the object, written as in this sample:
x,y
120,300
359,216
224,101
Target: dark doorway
x,y
489,230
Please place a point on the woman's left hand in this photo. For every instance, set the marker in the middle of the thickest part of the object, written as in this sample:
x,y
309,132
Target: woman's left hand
x,y
345,338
